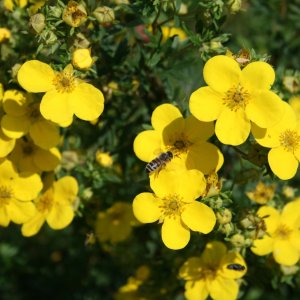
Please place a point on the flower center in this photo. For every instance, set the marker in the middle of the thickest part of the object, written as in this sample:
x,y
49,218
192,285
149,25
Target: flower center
x,y
179,145
283,232
64,81
172,206
34,112
6,194
28,149
45,202
237,97
209,273
290,140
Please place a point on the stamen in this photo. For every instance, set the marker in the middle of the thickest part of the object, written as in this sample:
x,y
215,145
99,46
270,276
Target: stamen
x,y
237,97
290,140
6,194
283,232
45,202
179,144
172,206
64,82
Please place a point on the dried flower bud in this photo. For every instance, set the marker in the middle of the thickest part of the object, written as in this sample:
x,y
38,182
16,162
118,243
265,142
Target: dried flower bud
x,y
37,22
81,59
104,15
74,14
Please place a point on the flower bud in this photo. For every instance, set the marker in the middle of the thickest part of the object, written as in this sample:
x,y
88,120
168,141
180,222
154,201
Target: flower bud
x,y
81,59
4,35
104,159
74,14
37,23
237,240
234,6
227,229
224,216
104,15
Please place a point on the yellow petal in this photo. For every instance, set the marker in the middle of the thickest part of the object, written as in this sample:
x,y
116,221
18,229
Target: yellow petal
x,y
47,160
221,73
262,246
173,131
15,102
206,104
270,137
66,189
6,144
232,258
191,269
199,217
87,102
163,115
174,234
7,171
20,212
282,163
270,216
265,109
284,253
204,157
188,185
60,216
196,130
295,239
56,107
148,145
35,76
196,290
27,188
223,288
4,218
213,253
146,207
44,134
232,128
258,75
291,214
34,225
15,127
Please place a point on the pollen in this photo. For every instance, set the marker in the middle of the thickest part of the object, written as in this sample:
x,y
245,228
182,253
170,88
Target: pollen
x,y
237,97
45,202
290,140
283,232
179,144
6,194
172,206
64,82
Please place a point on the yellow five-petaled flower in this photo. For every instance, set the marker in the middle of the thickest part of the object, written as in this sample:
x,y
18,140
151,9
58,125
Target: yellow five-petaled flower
x,y
236,98
65,94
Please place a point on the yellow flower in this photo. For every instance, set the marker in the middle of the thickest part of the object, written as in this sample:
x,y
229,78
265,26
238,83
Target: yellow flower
x,y
4,34
27,157
65,94
282,233
115,224
6,144
55,206
129,291
104,159
74,14
23,116
262,193
295,104
209,274
16,193
234,97
185,138
81,59
168,32
284,139
10,4
173,204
